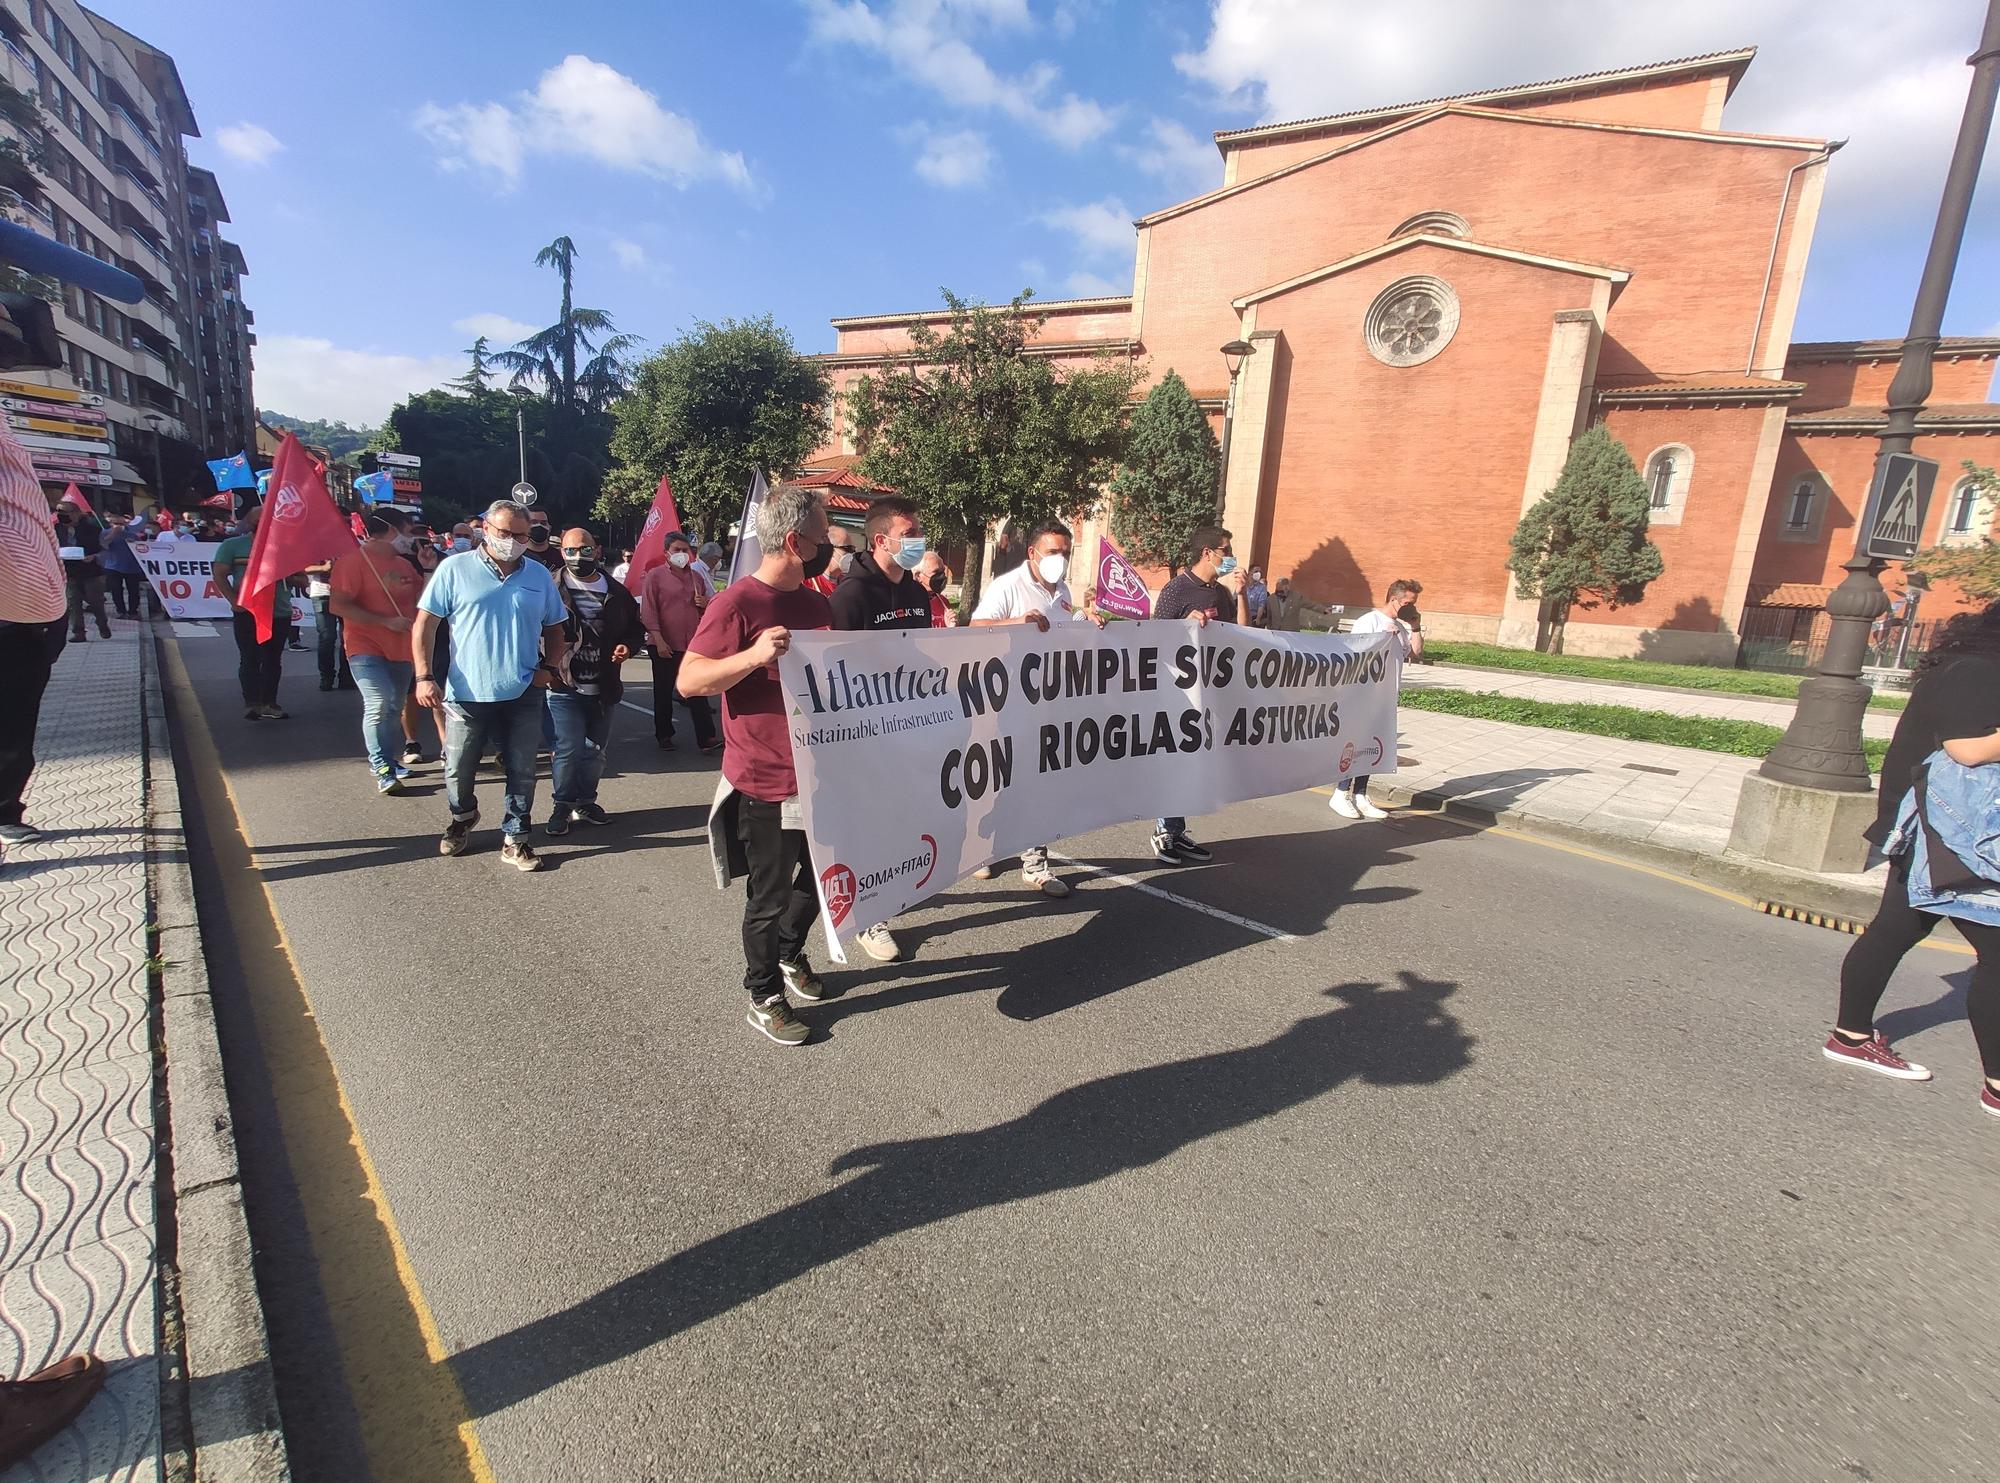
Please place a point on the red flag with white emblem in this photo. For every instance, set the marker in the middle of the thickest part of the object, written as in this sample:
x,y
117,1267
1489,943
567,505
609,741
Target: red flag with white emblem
x,y
301,526
661,521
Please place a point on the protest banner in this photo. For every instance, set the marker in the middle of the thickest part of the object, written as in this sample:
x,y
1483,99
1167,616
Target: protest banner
x,y
989,741
179,574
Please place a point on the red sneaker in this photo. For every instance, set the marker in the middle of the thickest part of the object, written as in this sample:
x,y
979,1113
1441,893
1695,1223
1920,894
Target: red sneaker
x,y
1874,1054
1989,1101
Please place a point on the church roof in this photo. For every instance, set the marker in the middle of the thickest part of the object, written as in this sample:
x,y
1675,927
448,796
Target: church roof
x,y
1703,389
1732,63
1819,351
1616,276
1939,417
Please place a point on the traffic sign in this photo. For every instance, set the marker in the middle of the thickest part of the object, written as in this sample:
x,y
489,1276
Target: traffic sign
x,y
523,493
1892,522
399,460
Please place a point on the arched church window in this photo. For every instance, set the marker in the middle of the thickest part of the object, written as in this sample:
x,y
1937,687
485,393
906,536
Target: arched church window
x,y
1965,519
1804,509
1411,320
1667,473
1438,223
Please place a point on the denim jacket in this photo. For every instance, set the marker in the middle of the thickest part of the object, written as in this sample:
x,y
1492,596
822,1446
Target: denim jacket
x,y
1962,805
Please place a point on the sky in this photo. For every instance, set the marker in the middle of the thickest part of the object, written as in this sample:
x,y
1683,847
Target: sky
x,y
392,168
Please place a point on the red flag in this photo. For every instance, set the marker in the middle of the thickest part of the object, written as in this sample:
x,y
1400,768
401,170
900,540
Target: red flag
x,y
75,497
661,521
301,526
356,524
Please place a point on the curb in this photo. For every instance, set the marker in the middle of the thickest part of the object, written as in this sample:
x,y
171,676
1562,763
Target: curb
x,y
1536,674
1804,893
229,1397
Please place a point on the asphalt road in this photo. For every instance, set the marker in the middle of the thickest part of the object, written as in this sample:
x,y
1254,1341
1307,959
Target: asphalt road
x,y
1515,1165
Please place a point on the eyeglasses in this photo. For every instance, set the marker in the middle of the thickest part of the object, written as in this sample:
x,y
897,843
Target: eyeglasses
x,y
579,551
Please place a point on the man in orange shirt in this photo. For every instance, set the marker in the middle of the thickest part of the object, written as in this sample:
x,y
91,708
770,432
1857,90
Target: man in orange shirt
x,y
374,593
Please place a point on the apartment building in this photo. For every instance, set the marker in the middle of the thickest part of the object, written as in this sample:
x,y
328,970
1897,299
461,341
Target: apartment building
x,y
109,175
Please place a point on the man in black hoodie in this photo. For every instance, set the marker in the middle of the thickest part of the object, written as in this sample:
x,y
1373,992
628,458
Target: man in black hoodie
x,y
880,593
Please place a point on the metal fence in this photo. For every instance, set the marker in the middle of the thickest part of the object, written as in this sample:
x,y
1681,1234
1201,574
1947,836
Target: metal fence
x,y
1794,640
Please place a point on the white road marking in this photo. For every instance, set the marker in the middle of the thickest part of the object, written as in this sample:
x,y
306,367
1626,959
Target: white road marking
x,y
1263,928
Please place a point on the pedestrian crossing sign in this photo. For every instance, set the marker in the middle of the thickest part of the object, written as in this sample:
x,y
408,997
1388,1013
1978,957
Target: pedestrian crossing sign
x,y
1892,525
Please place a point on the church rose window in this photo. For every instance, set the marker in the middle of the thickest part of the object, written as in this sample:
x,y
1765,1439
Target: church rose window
x,y
1411,320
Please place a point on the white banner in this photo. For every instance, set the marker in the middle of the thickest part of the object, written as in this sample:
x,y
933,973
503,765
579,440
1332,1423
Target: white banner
x,y
923,755
179,572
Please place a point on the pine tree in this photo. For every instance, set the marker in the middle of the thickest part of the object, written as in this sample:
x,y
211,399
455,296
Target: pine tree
x,y
1584,542
1166,489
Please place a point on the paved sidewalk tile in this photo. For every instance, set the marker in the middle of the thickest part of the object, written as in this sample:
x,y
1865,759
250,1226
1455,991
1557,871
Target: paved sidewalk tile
x,y
1561,690
78,1260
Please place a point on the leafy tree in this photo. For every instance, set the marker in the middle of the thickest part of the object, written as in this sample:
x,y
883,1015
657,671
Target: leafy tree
x,y
1165,490
551,357
977,431
1584,542
337,438
721,400
1975,567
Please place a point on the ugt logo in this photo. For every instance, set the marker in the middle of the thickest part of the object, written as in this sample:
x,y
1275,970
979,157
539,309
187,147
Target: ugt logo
x,y
653,519
1123,582
836,883
288,504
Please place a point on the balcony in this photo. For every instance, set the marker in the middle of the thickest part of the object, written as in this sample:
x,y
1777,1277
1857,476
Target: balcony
x,y
143,198
154,251
128,130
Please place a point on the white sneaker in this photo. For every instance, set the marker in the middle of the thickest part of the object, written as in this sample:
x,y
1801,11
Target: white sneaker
x,y
1045,882
1368,809
983,873
880,944
1342,803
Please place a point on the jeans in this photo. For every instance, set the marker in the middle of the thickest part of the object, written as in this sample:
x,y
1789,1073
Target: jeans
x,y
86,594
125,591
258,666
1356,786
516,725
666,679
24,675
583,731
383,683
333,666
1898,927
779,908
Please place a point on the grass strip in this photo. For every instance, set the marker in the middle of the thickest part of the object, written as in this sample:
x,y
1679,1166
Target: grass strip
x,y
1633,671
1704,733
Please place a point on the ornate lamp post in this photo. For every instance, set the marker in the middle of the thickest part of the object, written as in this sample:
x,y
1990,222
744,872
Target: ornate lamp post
x,y
1233,356
1821,749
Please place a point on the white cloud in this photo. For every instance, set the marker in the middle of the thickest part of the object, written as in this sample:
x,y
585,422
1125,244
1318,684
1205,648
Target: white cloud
x,y
929,42
247,143
580,109
309,377
1897,98
629,253
1175,154
954,160
1103,229
497,328
1091,286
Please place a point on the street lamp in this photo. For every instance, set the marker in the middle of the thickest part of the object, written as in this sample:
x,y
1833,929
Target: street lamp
x,y
1822,746
1233,356
159,481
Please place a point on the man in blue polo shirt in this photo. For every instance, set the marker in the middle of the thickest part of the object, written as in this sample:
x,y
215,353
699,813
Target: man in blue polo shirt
x,y
507,644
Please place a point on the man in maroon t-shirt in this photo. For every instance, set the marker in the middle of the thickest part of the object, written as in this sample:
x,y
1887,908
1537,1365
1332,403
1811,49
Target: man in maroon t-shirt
x,y
734,654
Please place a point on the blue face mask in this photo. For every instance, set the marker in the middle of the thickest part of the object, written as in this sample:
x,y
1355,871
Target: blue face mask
x,y
910,552
1225,566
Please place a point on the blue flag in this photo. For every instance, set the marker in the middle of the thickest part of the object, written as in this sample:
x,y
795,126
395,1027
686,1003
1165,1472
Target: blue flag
x,y
376,489
232,472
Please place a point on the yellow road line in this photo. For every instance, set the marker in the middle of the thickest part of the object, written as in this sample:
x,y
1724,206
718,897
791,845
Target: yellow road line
x,y
414,1422
1633,865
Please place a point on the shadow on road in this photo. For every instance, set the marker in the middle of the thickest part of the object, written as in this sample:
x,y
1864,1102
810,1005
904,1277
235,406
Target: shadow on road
x,y
1384,1037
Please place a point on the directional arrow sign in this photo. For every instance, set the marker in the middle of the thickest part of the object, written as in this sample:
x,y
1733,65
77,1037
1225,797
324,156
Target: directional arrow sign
x,y
523,493
1892,522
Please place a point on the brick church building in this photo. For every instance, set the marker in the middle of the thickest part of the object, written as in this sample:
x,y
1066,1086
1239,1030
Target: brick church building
x,y
1441,295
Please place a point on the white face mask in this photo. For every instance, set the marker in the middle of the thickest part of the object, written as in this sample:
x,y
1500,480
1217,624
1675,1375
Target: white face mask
x,y
678,559
1052,567
503,548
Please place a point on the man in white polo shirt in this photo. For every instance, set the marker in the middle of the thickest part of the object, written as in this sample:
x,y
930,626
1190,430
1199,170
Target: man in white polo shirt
x,y
1034,592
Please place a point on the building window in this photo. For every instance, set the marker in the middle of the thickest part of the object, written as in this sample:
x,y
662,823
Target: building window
x,y
1967,516
1803,510
1668,472
1411,321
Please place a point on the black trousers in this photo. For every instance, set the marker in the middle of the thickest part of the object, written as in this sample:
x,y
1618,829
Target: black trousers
x,y
126,589
258,665
666,679
86,595
781,905
25,662
1898,927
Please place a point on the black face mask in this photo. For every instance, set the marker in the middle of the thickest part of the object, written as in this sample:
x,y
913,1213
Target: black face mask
x,y
936,582
583,566
816,563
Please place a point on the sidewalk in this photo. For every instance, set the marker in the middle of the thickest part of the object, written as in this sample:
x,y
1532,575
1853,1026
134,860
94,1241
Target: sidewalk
x,y
1567,689
84,1212
1667,806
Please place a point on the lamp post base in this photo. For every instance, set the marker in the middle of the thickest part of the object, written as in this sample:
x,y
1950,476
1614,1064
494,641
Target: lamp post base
x,y
1816,829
